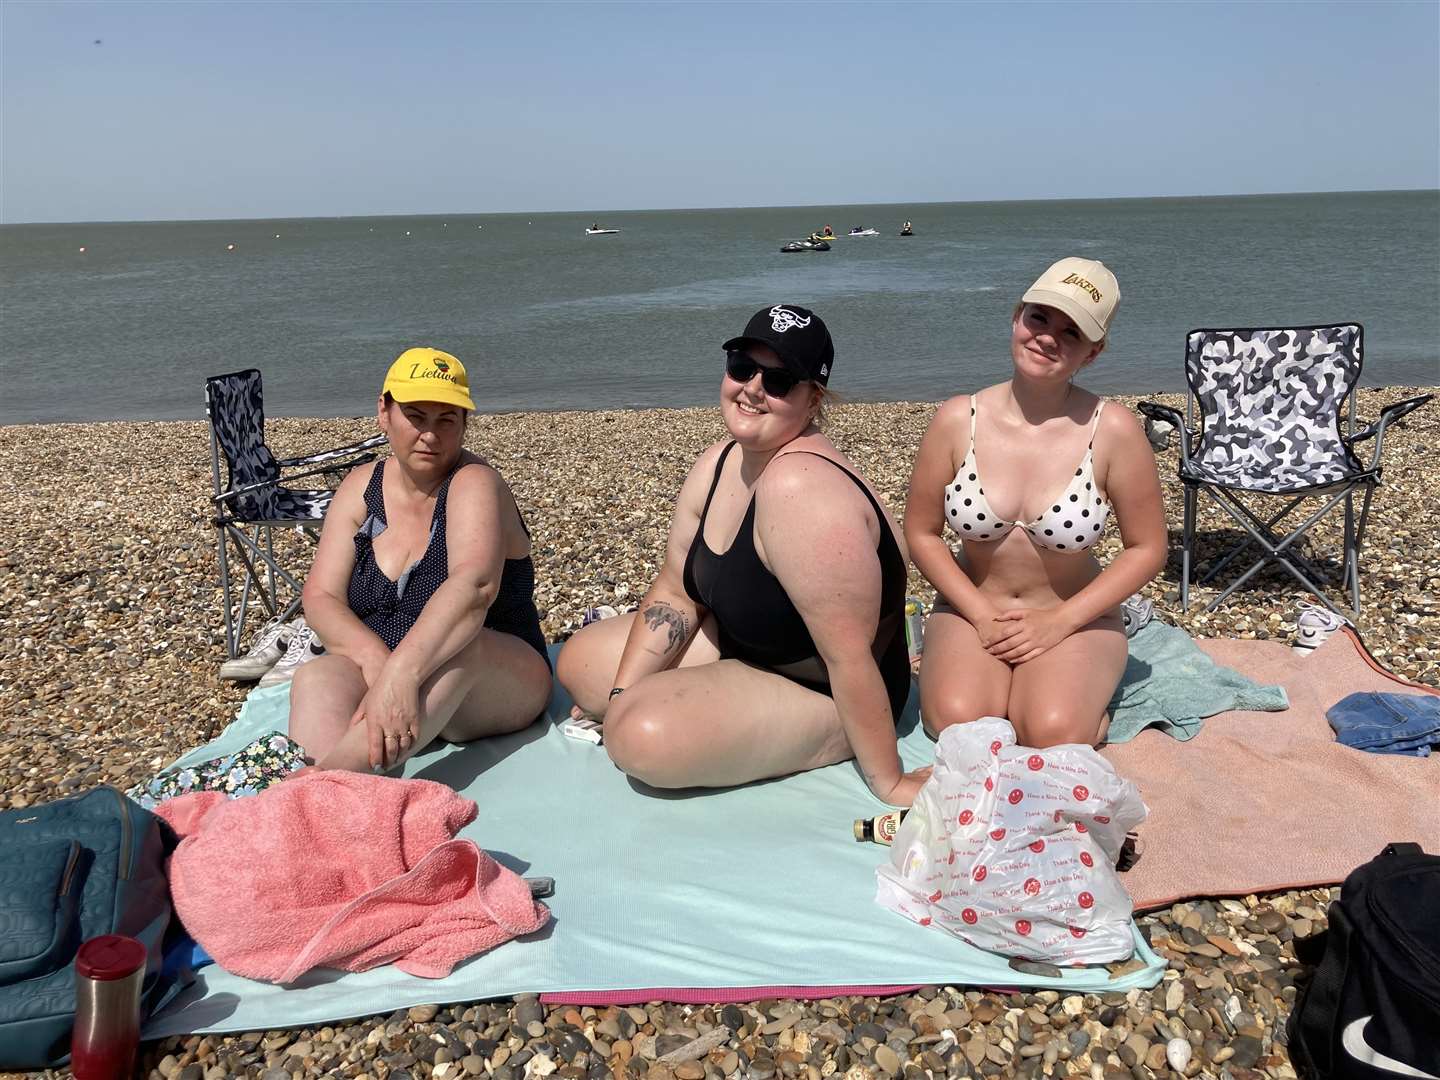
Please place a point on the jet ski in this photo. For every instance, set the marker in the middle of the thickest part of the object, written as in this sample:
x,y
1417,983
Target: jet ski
x,y
821,238
820,245
858,231
907,231
796,245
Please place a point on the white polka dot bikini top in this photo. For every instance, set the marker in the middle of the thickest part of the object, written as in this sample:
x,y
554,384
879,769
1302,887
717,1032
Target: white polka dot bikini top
x,y
1073,522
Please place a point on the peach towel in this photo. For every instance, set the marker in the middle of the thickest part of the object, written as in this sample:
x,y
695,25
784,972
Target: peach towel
x,y
340,870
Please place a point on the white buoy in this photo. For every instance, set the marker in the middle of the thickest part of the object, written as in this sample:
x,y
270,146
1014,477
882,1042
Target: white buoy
x,y
229,247
82,251
277,236
407,232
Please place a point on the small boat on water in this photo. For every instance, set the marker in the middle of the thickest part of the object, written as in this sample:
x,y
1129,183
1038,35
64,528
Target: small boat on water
x,y
859,230
596,230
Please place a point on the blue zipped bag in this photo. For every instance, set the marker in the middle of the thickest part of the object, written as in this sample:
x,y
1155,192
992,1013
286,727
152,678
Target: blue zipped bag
x,y
69,870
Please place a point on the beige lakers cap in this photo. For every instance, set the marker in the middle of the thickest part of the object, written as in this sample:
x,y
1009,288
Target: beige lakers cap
x,y
1084,289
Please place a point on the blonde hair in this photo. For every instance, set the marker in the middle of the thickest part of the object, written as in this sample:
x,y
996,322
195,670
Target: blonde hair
x,y
826,399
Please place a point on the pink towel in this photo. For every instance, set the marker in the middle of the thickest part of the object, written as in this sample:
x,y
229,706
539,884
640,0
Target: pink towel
x,y
341,870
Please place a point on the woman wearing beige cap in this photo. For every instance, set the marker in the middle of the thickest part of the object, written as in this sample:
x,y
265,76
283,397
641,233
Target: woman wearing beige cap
x,y
772,641
421,590
1024,474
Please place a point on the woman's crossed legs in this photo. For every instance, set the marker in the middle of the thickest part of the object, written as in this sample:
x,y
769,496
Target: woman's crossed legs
x,y
704,722
1061,696
496,684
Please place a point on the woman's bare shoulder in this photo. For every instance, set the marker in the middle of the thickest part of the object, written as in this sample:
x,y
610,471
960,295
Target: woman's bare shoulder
x,y
1119,423
812,487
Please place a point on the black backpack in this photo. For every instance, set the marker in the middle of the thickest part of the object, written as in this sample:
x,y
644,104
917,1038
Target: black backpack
x,y
1372,1010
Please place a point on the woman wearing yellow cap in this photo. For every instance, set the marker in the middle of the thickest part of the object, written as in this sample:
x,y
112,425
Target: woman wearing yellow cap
x,y
421,590
1024,474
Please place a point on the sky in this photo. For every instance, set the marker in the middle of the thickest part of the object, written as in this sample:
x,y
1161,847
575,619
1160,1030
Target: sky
x,y
158,111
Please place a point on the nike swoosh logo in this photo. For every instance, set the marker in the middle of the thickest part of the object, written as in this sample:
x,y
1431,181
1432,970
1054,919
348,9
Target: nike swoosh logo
x,y
1353,1040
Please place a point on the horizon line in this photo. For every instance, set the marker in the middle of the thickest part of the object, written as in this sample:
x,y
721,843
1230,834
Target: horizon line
x,y
703,209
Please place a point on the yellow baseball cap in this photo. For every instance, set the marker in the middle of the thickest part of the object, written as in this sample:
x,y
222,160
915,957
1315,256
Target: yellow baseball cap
x,y
1084,289
426,374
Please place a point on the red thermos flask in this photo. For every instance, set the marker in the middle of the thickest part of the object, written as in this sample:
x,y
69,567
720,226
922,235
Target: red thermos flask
x,y
109,973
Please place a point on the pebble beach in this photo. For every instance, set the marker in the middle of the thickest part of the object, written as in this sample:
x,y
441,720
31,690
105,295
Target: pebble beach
x,y
109,591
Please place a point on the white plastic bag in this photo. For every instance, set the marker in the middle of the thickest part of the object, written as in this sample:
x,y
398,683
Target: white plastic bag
x,y
1014,849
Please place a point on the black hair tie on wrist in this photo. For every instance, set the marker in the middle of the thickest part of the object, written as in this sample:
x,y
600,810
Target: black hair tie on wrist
x,y
616,691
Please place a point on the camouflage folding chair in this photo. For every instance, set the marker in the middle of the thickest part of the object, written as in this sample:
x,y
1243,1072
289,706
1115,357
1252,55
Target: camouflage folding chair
x,y
255,502
1270,404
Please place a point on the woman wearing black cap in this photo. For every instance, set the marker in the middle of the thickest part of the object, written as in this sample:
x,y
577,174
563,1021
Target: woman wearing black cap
x,y
772,641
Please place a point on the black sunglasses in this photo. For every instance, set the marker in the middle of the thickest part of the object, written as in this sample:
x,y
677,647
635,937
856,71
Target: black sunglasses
x,y
777,381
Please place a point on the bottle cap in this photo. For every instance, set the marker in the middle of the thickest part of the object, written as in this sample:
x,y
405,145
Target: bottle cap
x,y
859,828
109,957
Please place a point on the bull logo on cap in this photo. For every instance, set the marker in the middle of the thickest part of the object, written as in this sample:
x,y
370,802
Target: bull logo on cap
x,y
782,319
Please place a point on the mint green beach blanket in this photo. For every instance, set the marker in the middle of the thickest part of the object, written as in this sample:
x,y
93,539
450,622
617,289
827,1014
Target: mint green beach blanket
x,y
691,896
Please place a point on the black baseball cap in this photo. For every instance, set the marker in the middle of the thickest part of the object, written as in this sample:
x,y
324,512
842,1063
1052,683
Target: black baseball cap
x,y
798,336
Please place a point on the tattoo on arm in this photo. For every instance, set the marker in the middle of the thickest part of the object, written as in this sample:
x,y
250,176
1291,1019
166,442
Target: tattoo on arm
x,y
661,615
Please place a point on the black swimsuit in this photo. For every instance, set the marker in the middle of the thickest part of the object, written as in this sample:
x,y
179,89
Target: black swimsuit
x,y
757,621
391,608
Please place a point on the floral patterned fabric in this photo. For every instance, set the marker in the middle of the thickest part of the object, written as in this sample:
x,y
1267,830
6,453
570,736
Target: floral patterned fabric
x,y
266,761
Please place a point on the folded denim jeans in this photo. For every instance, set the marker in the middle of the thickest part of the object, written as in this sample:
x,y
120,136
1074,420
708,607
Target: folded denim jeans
x,y
1387,723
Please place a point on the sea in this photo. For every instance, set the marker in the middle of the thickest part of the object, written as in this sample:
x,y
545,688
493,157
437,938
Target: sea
x,y
119,321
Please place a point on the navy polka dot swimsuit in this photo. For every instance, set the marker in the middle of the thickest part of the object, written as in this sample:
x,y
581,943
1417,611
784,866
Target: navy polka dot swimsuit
x,y
391,608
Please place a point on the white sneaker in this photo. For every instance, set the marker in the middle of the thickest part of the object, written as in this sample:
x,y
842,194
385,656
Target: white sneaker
x,y
304,646
1136,612
265,649
1314,623
595,614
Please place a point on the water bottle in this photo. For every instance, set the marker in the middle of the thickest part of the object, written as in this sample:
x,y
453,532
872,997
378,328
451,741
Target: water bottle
x,y
914,627
109,973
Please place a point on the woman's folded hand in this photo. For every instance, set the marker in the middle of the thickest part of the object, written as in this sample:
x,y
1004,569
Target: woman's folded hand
x,y
391,714
1022,634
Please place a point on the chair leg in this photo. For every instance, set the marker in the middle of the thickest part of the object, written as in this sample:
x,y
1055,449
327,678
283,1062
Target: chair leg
x,y
231,635
270,562
1357,543
1187,540
1275,552
1269,527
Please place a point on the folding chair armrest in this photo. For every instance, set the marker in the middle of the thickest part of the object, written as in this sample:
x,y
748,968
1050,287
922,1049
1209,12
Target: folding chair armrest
x,y
1175,418
1387,416
235,493
338,452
